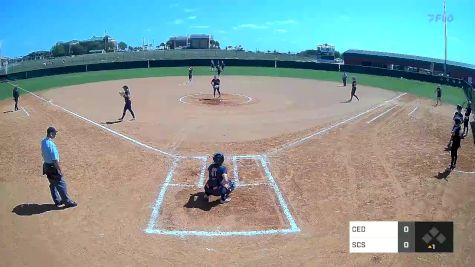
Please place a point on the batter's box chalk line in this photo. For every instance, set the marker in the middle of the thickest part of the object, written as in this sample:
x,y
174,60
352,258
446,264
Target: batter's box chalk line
x,y
262,159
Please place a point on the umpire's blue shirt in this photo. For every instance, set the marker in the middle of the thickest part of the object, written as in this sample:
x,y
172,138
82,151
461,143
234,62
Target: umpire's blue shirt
x,y
49,150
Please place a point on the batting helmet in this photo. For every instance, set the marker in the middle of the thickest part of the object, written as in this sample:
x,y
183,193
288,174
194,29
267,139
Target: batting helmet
x,y
218,158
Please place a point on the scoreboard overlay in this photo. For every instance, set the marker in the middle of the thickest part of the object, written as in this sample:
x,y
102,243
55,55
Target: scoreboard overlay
x,y
401,236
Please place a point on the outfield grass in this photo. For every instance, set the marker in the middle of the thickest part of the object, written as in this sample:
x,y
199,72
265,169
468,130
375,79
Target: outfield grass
x,y
450,94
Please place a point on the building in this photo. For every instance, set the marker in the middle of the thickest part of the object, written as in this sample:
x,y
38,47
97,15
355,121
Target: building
x,y
194,41
178,42
419,64
200,41
325,52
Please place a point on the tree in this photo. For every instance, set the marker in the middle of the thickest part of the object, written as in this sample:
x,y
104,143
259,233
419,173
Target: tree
x,y
130,48
122,46
78,49
337,54
308,53
58,50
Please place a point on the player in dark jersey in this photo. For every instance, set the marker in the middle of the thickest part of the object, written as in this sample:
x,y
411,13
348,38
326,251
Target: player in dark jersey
x,y
457,116
215,82
16,95
439,95
466,119
353,90
128,103
190,74
455,142
218,68
218,183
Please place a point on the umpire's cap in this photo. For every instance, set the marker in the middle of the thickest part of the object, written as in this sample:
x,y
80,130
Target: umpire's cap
x,y
51,130
218,158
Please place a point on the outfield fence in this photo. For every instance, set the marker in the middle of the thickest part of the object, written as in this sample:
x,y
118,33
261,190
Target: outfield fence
x,y
181,58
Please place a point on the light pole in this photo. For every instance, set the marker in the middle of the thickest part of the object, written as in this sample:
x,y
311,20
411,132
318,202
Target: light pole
x,y
445,38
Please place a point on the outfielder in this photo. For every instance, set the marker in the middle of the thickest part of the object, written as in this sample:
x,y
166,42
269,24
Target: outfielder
x,y
128,103
218,183
190,74
439,95
344,77
215,82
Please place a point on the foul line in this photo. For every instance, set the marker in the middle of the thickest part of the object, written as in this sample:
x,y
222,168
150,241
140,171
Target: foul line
x,y
382,114
101,126
414,110
25,111
322,131
464,172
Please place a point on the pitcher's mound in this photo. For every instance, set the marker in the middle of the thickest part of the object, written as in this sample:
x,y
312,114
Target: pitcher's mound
x,y
209,99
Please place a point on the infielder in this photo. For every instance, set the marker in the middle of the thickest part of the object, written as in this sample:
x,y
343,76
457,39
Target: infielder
x,y
353,90
128,103
215,82
218,183
16,95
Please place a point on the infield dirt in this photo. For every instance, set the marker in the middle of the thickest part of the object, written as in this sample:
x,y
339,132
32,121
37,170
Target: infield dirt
x,y
389,169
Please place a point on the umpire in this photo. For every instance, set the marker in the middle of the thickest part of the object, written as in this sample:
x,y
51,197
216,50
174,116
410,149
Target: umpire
x,y
52,170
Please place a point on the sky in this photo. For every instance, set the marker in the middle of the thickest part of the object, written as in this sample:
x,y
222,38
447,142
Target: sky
x,y
412,27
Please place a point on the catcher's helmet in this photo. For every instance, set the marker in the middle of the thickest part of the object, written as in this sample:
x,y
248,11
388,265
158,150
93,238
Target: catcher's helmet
x,y
218,158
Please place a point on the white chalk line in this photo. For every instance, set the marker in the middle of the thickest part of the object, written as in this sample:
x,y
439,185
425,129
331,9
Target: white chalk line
x,y
196,186
181,233
464,172
322,131
161,196
382,114
26,112
414,110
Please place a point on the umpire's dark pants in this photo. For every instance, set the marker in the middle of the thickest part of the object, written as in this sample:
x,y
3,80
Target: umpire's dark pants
x,y
57,185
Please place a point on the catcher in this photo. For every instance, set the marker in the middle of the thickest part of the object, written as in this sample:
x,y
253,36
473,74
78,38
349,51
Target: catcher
x,y
128,103
218,183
